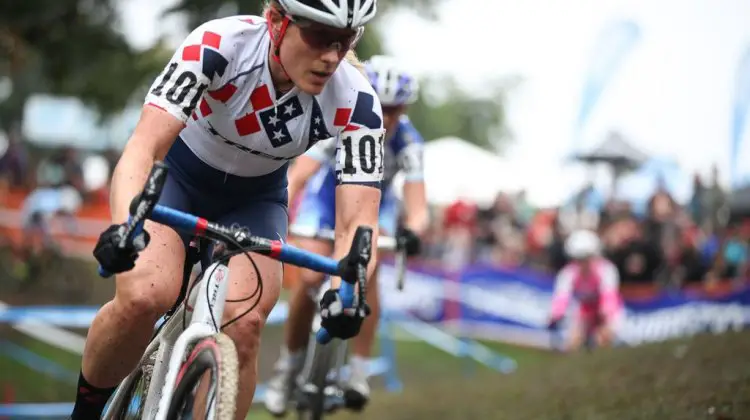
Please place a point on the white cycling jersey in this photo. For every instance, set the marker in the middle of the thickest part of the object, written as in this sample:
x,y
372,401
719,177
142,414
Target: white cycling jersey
x,y
219,84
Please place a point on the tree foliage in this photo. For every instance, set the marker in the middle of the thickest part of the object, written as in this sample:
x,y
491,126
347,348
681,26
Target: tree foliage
x,y
72,48
478,120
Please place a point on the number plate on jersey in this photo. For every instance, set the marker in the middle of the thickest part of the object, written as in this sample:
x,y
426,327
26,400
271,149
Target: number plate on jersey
x,y
359,157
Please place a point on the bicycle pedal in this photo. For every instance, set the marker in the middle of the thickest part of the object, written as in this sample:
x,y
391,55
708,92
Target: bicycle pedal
x,y
354,401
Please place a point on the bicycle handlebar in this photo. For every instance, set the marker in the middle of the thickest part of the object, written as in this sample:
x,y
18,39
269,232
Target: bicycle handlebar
x,y
385,243
144,207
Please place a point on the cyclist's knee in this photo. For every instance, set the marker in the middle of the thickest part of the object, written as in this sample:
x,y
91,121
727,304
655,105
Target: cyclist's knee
x,y
246,331
141,299
152,287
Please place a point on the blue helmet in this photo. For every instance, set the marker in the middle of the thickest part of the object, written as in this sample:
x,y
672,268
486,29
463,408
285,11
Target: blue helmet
x,y
393,84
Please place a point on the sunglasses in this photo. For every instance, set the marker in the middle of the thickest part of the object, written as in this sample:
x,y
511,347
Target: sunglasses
x,y
321,37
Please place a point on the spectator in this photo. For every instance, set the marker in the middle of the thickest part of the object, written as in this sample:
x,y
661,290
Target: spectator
x,y
58,194
637,259
716,204
692,267
460,225
13,161
697,201
557,256
524,211
505,231
727,257
61,169
584,212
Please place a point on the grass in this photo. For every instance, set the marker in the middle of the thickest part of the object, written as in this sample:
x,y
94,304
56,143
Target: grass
x,y
705,377
30,385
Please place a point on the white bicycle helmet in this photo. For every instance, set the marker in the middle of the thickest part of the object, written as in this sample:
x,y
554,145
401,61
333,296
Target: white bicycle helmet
x,y
582,244
335,13
394,85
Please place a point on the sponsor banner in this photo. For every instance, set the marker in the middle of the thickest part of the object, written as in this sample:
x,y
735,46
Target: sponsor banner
x,y
513,306
423,295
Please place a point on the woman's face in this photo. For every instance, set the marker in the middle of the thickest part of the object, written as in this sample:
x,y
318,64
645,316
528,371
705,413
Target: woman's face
x,y
310,52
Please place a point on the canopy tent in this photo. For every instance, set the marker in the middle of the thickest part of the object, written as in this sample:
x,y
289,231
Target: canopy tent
x,y
455,168
614,151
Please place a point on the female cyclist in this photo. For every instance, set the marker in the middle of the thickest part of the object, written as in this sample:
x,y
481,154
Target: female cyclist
x,y
314,173
240,98
595,283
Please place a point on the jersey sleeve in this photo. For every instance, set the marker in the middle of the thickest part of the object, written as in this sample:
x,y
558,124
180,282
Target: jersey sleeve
x,y
562,292
410,154
323,151
201,63
359,155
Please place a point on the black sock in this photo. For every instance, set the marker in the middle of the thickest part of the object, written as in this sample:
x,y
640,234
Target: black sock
x,y
90,400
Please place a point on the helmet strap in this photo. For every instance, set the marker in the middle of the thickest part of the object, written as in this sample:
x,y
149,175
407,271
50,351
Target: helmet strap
x,y
276,42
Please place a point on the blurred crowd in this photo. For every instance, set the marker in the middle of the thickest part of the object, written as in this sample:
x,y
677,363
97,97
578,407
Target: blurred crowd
x,y
49,187
668,244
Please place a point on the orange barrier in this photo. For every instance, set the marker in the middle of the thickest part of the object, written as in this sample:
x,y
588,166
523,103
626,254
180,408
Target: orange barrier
x,y
91,219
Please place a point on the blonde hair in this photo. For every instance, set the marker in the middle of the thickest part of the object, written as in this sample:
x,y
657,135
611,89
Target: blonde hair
x,y
350,57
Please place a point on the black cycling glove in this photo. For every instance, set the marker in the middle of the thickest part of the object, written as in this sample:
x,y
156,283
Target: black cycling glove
x,y
409,241
340,322
114,259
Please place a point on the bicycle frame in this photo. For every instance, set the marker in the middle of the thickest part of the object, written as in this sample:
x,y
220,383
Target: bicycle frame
x,y
172,343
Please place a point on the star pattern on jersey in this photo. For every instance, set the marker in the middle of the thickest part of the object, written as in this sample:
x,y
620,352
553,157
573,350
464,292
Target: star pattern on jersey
x,y
272,119
318,130
207,52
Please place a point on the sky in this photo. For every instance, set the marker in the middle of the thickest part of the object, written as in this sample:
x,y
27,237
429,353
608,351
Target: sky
x,y
672,96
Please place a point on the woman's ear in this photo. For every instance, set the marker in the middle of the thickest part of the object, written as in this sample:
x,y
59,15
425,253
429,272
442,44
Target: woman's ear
x,y
274,17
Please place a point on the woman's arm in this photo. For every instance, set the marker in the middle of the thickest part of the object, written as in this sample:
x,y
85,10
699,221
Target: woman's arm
x,y
153,136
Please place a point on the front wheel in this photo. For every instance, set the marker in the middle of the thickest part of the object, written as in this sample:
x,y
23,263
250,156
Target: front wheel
x,y
207,382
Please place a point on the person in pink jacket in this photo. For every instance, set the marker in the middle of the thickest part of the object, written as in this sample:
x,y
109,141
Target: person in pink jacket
x,y
593,281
